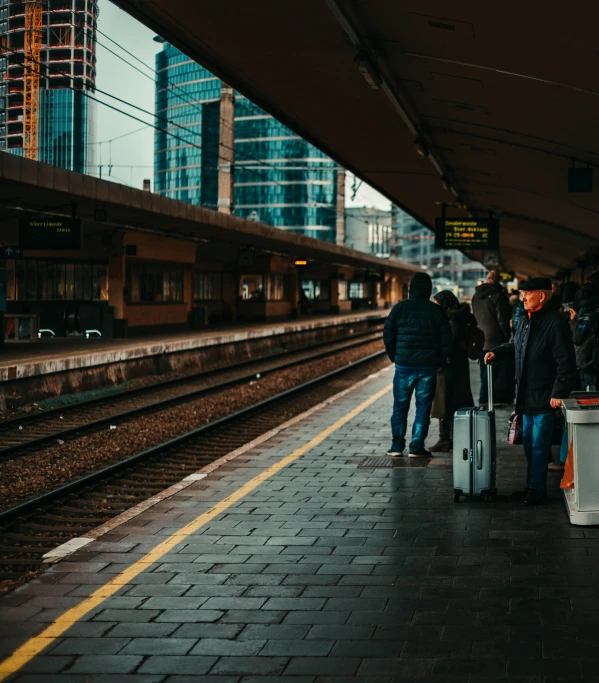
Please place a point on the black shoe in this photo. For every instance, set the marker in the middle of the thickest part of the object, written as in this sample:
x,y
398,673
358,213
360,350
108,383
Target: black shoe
x,y
419,453
533,497
519,495
442,446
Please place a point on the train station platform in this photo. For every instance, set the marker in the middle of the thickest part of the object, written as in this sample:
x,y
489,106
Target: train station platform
x,y
82,362
294,560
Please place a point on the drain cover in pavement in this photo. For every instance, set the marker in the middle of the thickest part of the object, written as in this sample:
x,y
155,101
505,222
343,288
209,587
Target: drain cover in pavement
x,y
395,462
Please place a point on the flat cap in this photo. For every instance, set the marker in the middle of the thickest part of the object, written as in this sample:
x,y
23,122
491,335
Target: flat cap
x,y
535,283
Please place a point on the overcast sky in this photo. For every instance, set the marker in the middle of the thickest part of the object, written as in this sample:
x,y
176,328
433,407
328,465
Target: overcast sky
x,y
132,156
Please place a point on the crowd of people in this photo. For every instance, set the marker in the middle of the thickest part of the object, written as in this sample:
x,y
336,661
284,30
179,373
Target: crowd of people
x,y
542,342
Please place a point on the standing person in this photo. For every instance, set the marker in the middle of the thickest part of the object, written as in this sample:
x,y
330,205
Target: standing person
x,y
556,289
545,374
453,380
586,333
517,309
493,312
569,291
418,340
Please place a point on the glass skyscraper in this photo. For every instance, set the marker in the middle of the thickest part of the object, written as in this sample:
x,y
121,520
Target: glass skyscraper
x,y
66,117
279,178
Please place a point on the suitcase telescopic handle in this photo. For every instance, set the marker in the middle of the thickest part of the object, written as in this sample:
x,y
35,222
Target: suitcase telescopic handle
x,y
490,386
479,455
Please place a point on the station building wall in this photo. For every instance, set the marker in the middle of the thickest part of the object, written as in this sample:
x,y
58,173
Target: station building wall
x,y
129,283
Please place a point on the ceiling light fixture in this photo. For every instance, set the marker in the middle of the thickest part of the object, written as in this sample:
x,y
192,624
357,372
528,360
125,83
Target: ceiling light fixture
x,y
421,147
368,70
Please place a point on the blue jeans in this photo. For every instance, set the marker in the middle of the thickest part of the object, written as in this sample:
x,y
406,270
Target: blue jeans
x,y
537,431
407,380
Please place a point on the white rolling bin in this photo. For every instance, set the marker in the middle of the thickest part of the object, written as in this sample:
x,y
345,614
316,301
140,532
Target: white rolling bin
x,y
582,421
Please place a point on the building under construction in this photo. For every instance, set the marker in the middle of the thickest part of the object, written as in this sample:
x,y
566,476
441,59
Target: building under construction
x,y
47,71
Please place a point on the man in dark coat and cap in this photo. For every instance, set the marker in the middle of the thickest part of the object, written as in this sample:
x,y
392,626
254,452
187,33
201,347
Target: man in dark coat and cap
x,y
418,340
545,374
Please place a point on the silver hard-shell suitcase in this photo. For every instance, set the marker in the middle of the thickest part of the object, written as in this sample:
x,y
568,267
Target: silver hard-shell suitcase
x,y
474,450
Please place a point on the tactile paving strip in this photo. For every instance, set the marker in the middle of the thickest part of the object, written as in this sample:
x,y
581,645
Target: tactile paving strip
x,y
395,462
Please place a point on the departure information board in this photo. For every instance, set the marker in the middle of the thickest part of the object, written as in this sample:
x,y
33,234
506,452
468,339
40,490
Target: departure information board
x,y
50,233
466,233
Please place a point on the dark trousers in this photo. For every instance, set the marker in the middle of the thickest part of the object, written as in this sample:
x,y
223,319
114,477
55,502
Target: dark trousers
x,y
446,429
537,432
483,396
587,379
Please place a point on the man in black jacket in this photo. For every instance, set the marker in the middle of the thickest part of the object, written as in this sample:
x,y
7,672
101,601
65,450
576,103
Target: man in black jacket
x,y
545,374
493,312
418,340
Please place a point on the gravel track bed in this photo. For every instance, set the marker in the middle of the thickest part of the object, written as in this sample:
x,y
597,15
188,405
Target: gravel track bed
x,y
31,475
156,380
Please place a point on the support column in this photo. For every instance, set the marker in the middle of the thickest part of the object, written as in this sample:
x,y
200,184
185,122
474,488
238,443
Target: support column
x,y
334,294
340,221
295,284
116,283
226,149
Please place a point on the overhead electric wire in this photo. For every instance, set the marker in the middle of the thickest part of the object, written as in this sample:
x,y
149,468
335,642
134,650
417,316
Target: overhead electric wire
x,y
189,101
171,124
194,104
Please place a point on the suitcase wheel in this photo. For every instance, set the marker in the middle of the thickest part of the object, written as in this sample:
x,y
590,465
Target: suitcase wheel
x,y
491,497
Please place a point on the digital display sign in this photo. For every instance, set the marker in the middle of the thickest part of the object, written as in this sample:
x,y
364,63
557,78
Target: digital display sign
x,y
50,233
466,233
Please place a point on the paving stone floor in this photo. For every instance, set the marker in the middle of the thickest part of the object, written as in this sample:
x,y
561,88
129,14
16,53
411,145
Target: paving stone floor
x,y
328,572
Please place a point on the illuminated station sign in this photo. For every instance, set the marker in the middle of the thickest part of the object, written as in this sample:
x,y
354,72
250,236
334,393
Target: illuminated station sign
x,y
50,233
466,233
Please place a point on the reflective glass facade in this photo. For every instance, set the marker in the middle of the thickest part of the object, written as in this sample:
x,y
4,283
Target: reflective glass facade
x,y
279,178
67,124
66,117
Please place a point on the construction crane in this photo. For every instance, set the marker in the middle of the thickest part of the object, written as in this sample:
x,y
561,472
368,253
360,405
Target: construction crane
x,y
31,92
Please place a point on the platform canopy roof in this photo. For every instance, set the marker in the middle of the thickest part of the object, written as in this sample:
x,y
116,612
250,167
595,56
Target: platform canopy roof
x,y
29,187
503,96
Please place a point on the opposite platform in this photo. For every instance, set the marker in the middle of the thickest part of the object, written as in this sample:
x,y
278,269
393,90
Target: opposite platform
x,y
294,561
74,353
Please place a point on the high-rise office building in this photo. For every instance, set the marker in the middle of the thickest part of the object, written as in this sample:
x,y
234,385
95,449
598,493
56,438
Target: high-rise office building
x,y
65,118
278,177
449,268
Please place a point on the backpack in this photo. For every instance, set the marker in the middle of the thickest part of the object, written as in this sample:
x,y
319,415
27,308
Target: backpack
x,y
476,342
586,340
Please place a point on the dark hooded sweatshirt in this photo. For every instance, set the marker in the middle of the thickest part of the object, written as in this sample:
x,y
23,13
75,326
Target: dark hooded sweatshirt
x,y
493,311
417,332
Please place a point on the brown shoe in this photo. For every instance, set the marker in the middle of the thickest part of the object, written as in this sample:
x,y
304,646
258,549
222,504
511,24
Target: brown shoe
x,y
555,466
441,447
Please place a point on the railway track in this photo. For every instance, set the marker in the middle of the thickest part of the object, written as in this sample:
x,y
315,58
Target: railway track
x,y
30,432
33,528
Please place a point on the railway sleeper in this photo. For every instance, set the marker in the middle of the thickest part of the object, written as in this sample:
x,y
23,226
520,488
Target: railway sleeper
x,y
70,530
55,516
67,513
26,538
12,562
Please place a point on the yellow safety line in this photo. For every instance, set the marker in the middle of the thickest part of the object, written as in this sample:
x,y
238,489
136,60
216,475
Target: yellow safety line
x,y
24,654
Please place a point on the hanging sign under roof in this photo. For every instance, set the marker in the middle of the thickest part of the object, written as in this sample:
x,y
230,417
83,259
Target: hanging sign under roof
x,y
49,233
466,233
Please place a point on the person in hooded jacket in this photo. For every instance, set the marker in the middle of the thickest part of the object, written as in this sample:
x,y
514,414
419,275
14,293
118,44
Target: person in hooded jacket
x,y
418,339
453,380
493,311
545,374
585,316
